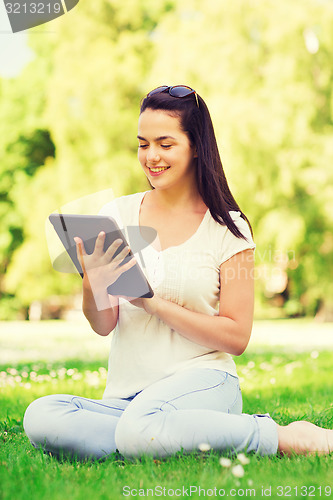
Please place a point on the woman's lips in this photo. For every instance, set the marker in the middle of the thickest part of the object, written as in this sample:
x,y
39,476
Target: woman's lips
x,y
158,170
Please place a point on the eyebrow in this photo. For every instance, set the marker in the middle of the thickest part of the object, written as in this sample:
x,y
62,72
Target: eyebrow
x,y
161,138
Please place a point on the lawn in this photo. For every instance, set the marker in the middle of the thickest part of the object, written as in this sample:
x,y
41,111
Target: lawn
x,y
288,383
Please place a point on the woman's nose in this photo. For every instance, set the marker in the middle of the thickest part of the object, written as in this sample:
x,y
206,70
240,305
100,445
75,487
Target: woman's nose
x,y
152,155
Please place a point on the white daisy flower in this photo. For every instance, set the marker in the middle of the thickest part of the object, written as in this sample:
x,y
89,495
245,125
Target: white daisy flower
x,y
204,447
225,462
243,459
238,470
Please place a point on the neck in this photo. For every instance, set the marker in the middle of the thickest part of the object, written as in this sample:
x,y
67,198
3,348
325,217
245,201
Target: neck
x,y
178,199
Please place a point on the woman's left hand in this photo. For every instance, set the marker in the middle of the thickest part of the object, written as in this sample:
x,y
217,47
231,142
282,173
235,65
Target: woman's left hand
x,y
149,305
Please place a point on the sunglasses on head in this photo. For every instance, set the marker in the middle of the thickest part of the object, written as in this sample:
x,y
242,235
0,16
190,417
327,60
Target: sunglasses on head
x,y
175,91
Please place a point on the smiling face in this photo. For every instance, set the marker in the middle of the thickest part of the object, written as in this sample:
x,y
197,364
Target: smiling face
x,y
165,152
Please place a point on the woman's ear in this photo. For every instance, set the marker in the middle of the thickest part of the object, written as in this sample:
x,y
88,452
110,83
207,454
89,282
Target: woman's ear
x,y
195,152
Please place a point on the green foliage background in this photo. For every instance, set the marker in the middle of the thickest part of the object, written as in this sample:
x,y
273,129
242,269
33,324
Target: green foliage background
x,y
68,129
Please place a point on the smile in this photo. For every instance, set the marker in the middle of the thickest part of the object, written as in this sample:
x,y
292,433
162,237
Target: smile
x,y
158,169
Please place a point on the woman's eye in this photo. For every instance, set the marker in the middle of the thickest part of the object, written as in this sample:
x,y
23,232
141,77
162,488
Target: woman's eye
x,y
143,145
165,146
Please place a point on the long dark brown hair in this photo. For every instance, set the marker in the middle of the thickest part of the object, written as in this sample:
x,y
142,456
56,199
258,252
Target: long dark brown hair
x,y
211,180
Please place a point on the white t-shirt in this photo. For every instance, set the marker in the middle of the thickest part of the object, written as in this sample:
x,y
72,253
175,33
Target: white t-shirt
x,y
144,349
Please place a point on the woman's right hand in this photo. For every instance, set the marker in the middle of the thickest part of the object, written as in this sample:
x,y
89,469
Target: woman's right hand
x,y
101,268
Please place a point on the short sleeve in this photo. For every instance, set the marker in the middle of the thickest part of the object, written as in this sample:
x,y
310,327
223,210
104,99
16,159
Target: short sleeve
x,y
231,245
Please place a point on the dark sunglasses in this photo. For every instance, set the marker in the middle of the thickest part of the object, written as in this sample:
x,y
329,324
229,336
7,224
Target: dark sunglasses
x,y
176,91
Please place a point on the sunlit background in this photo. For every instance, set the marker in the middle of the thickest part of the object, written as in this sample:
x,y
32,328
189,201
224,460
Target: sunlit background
x,y
70,93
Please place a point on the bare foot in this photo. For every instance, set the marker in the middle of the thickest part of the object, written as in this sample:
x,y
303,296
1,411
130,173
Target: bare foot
x,y
304,438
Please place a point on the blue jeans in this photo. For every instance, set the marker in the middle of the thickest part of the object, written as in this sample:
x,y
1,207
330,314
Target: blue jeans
x,y
179,412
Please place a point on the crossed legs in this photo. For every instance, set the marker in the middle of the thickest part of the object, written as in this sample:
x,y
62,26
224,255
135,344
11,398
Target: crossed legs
x,y
177,413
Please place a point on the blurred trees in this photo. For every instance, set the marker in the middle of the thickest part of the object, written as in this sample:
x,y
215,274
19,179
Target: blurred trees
x,y
69,129
26,145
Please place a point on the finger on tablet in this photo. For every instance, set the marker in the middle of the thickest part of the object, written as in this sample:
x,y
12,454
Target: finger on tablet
x,y
122,255
128,265
113,248
99,243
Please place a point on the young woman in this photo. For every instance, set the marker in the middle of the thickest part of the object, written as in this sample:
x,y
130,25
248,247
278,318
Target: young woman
x,y
172,383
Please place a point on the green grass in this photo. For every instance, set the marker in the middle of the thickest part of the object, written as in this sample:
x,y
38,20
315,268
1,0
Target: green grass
x,y
287,385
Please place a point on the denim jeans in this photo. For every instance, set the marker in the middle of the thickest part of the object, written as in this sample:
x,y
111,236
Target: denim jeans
x,y
179,412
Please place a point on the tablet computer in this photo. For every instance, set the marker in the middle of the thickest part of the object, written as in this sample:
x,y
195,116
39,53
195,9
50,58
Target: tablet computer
x,y
132,283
